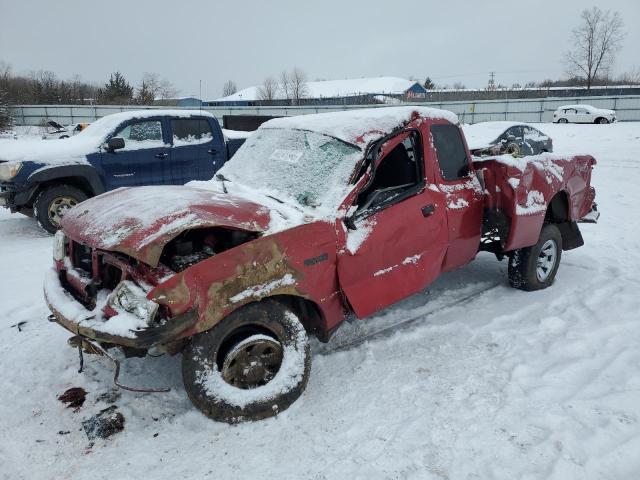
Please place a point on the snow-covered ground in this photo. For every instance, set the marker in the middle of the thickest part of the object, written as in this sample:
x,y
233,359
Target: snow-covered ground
x,y
481,381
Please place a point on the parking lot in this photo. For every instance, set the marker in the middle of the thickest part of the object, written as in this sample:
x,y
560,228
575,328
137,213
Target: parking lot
x,y
467,379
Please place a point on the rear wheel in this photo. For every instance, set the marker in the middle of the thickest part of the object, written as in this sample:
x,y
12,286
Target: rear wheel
x,y
252,365
53,202
535,267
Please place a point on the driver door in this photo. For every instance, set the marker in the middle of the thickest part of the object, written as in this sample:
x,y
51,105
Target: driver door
x,y
145,158
398,238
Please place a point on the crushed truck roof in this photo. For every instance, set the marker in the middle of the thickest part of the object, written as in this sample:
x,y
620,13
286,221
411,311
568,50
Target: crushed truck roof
x,y
361,126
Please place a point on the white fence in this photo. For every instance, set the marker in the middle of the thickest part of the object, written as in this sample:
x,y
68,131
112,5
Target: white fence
x,y
522,110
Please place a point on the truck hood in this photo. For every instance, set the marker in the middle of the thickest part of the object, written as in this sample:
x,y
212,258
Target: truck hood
x,y
140,221
66,151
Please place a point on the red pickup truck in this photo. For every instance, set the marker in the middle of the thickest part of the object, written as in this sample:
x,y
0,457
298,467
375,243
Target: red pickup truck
x,y
316,218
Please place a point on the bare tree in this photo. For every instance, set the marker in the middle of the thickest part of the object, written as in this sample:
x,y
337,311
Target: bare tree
x,y
595,44
268,90
5,113
285,85
159,88
299,88
229,88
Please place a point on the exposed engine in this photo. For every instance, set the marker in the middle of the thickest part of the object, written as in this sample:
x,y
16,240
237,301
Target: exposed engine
x,y
194,246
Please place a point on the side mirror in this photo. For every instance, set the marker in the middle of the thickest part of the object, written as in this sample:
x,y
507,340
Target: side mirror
x,y
115,143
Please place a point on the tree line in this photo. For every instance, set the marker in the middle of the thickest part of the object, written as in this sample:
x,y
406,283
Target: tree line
x,y
43,87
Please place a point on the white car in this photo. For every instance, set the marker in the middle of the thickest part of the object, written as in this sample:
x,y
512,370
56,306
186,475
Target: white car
x,y
583,114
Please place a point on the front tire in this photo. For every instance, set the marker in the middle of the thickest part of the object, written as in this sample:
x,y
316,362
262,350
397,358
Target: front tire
x,y
601,121
563,120
535,267
252,365
52,203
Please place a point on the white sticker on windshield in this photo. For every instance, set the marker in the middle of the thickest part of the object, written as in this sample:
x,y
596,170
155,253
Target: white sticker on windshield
x,y
290,156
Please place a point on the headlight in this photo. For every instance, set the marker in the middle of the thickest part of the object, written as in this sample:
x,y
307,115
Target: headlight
x,y
8,170
59,246
128,297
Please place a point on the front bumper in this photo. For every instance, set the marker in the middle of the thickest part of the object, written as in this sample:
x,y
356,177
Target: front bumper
x,y
72,315
592,216
16,198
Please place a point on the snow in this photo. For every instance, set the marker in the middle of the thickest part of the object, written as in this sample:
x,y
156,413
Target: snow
x,y
534,204
589,107
412,260
235,134
480,382
74,149
262,290
457,203
356,237
351,125
335,88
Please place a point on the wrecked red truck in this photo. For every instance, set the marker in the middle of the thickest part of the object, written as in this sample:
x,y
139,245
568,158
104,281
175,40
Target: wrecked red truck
x,y
315,219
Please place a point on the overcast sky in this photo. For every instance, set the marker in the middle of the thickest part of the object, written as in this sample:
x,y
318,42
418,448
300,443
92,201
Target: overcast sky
x,y
246,41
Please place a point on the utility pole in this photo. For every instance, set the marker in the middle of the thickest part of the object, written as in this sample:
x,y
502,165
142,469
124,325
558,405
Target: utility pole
x,y
492,82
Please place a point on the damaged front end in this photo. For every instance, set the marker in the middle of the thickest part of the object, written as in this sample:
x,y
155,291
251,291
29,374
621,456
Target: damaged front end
x,y
108,297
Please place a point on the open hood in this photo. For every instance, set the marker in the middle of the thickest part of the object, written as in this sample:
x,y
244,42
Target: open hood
x,y
140,221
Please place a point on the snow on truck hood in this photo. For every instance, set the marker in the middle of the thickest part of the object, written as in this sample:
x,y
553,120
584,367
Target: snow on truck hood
x,y
73,150
359,126
140,221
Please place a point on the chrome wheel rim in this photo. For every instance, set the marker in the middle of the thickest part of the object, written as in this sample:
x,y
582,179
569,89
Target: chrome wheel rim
x,y
547,259
58,207
252,362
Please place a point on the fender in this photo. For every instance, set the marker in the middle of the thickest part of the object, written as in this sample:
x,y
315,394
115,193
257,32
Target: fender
x,y
87,175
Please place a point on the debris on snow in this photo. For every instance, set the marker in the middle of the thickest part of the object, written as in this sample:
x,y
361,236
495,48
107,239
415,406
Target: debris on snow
x,y
74,397
104,424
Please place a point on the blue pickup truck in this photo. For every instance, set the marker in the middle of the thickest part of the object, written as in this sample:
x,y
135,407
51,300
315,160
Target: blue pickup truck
x,y
146,147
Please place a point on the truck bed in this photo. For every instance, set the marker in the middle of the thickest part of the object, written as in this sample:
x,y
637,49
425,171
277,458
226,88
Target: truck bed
x,y
519,191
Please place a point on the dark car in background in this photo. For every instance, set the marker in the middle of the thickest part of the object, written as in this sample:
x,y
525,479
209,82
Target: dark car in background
x,y
144,147
495,138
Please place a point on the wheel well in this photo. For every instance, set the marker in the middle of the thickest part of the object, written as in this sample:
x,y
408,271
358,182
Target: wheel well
x,y
598,119
309,314
80,183
558,214
558,209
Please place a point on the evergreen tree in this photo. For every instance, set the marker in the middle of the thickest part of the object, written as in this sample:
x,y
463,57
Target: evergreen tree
x,y
117,90
145,94
428,84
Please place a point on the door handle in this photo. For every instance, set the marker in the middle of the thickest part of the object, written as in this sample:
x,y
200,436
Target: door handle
x,y
161,155
212,151
428,210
